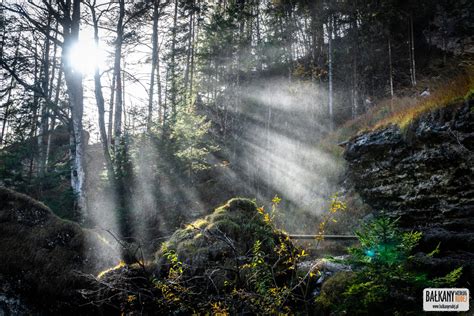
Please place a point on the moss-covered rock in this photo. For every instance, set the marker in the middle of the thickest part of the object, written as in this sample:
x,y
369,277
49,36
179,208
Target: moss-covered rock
x,y
218,245
331,296
44,258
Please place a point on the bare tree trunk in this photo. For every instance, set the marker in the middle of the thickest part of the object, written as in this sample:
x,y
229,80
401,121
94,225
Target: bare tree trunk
x,y
173,63
110,127
191,76
7,112
158,83
317,32
259,38
76,101
355,94
7,104
330,103
99,97
412,49
390,71
44,122
355,53
154,59
53,118
165,105
34,117
124,109
411,42
118,75
55,103
188,56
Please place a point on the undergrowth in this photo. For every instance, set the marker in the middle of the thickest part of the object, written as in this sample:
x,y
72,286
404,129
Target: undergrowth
x,y
385,279
268,279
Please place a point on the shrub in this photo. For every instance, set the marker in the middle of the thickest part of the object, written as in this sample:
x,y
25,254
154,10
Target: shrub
x,y
384,281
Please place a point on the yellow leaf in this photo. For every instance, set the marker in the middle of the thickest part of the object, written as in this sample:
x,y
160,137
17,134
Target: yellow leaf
x,y
276,199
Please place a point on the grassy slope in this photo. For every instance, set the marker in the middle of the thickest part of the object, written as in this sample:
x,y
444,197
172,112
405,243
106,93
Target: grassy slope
x,y
401,110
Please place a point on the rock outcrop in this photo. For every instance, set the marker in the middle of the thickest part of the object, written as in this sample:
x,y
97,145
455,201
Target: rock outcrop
x,y
44,259
423,174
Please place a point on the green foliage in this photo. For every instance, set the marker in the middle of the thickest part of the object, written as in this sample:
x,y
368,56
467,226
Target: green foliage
x,y
122,160
190,141
18,171
382,244
384,280
449,279
271,297
176,266
170,287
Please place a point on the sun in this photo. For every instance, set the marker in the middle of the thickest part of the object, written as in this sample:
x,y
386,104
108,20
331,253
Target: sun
x,y
84,56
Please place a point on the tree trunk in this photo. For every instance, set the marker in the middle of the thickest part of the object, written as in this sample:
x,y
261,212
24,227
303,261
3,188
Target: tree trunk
x,y
390,71
99,97
412,49
330,98
110,127
188,55
355,53
173,63
76,103
34,117
259,38
154,59
411,42
165,105
193,36
7,105
44,121
55,103
53,118
124,109
118,75
158,83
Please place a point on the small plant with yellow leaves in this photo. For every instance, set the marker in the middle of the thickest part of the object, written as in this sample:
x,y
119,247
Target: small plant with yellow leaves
x,y
337,206
219,309
273,215
176,266
170,287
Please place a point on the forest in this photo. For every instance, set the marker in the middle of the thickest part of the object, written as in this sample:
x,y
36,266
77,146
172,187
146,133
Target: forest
x,y
235,157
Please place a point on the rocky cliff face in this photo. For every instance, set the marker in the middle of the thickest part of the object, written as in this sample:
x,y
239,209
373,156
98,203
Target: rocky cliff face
x,y
425,176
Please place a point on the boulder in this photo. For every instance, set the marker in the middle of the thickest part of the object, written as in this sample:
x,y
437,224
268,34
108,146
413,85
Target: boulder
x,y
43,258
218,245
